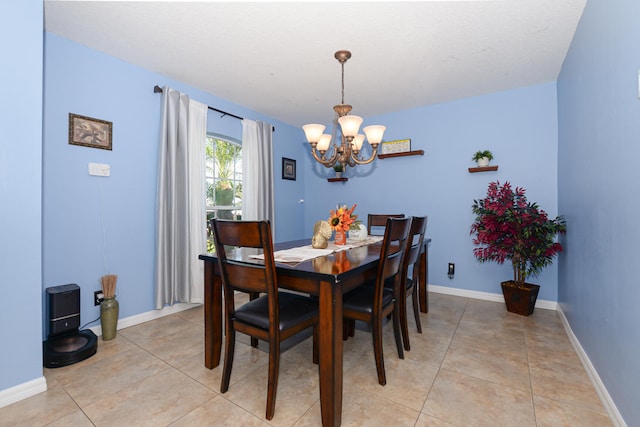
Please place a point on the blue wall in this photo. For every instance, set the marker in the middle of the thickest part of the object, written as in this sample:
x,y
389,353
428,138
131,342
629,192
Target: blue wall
x,y
20,192
518,126
96,225
599,148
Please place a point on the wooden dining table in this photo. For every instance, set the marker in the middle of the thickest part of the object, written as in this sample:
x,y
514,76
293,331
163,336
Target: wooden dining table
x,y
327,277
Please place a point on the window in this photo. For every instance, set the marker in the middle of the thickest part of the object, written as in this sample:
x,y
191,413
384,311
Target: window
x,y
223,180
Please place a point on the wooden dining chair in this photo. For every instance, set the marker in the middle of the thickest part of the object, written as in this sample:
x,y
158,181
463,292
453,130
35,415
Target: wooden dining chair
x,y
272,317
377,221
409,285
371,304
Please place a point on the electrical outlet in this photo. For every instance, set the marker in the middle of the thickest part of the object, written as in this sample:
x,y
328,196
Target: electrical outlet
x,y
451,270
98,296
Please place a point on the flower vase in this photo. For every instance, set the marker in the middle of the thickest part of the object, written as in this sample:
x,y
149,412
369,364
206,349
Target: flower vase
x,y
109,308
341,237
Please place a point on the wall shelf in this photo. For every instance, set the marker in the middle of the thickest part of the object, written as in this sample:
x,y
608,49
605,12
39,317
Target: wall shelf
x,y
483,169
337,179
403,154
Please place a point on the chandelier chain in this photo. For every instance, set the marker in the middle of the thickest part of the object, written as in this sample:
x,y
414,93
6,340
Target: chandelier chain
x,y
342,102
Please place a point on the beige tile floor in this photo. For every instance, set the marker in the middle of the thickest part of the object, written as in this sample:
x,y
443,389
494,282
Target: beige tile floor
x,y
474,365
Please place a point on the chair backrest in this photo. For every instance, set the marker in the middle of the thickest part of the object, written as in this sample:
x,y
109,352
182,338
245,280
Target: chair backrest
x,y
392,253
245,276
379,220
414,243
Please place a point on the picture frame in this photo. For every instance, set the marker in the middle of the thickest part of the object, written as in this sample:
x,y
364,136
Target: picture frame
x,y
90,132
397,146
288,169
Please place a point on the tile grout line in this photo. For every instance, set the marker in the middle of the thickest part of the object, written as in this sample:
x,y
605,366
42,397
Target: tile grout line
x,y
444,357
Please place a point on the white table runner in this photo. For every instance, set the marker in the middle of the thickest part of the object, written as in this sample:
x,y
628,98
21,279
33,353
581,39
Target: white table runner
x,y
304,253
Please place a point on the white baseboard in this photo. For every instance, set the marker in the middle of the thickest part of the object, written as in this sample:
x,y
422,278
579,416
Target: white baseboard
x,y
147,316
487,296
22,391
609,405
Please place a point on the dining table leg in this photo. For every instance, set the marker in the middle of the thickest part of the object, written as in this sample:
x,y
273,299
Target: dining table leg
x,y
212,316
330,352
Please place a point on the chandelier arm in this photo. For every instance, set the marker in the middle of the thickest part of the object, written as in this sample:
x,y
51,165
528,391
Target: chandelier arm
x,y
322,160
367,161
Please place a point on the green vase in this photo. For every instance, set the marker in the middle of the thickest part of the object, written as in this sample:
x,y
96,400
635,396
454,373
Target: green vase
x,y
109,308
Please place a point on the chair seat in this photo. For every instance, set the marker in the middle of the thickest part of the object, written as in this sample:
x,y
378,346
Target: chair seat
x,y
361,298
294,309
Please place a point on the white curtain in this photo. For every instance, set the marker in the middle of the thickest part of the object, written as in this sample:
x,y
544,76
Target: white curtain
x,y
257,172
181,215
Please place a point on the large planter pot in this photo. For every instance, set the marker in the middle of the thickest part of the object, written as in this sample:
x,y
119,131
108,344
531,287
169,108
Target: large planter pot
x,y
520,300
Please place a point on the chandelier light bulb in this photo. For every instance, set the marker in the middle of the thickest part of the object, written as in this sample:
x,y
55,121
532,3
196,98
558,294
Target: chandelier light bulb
x,y
350,125
357,142
313,132
374,133
324,142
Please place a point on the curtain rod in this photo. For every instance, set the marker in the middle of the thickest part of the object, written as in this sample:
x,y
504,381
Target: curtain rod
x,y
158,89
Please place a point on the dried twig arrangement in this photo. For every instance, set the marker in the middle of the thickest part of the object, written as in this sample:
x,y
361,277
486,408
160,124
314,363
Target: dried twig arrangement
x,y
109,285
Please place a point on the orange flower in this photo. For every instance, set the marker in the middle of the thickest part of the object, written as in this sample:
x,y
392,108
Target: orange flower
x,y
343,219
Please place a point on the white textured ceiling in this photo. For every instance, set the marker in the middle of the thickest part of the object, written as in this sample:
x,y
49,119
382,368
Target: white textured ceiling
x,y
277,57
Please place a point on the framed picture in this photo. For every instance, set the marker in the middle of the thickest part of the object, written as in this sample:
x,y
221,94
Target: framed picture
x,y
288,169
90,132
397,146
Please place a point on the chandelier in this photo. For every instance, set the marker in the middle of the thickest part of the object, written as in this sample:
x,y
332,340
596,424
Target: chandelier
x,y
348,153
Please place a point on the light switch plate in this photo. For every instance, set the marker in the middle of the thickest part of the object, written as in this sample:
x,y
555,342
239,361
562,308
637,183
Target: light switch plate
x,y
99,169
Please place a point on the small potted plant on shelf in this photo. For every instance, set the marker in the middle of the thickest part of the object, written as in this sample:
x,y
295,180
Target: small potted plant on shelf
x,y
338,168
508,227
482,158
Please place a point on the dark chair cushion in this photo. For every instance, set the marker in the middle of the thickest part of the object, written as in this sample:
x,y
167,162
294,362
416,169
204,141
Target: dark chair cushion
x,y
294,309
361,299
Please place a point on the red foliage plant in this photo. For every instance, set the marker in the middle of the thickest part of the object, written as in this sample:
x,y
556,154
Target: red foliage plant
x,y
508,227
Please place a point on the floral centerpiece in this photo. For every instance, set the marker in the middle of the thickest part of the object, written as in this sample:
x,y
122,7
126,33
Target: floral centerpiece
x,y
342,219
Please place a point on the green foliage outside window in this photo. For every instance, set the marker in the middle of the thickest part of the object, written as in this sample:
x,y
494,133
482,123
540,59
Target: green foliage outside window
x,y
223,181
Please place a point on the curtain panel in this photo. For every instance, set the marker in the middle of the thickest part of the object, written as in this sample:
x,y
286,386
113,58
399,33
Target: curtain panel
x,y
181,213
257,172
